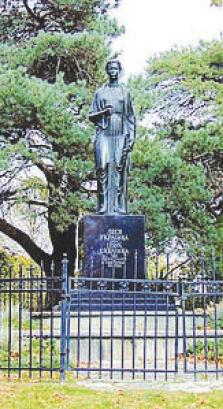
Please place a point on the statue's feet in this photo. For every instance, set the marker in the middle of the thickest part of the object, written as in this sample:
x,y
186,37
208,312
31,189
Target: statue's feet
x,y
102,210
119,210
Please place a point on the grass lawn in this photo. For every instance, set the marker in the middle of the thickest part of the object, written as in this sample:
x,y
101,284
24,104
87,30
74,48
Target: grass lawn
x,y
47,395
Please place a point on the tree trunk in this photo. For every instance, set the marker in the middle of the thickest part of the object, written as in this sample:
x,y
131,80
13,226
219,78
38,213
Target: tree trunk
x,y
63,246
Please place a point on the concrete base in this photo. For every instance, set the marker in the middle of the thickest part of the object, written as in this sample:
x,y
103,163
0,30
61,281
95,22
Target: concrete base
x,y
103,338
126,340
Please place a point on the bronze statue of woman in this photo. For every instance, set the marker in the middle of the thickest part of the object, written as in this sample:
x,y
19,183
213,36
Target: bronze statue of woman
x,y
113,115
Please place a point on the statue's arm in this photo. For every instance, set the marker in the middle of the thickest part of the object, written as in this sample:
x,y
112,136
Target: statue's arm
x,y
131,122
96,112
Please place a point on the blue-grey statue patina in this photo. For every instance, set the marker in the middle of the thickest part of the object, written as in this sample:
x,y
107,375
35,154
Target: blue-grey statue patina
x,y
113,115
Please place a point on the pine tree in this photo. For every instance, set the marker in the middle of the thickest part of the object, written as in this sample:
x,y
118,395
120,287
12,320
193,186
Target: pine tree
x,y
52,57
177,177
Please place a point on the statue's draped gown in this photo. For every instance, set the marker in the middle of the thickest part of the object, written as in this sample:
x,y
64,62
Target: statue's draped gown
x,y
113,133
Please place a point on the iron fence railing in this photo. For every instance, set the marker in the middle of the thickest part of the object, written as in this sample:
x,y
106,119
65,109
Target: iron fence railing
x,y
29,331
111,327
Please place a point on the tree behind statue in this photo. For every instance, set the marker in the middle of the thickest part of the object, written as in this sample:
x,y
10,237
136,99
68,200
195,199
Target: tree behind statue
x,y
47,72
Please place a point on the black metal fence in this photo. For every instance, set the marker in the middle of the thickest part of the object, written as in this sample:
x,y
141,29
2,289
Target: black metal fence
x,y
29,326
166,326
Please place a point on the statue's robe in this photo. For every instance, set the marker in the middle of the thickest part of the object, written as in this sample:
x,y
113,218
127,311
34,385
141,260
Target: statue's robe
x,y
113,133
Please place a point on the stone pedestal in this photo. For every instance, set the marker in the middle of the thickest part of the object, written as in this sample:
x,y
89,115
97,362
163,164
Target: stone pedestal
x,y
114,246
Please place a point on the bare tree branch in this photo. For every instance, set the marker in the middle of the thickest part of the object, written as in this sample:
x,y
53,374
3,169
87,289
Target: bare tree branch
x,y
35,252
31,12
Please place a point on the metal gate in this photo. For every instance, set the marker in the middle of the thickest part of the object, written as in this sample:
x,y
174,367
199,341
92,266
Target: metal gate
x,y
142,329
115,328
111,328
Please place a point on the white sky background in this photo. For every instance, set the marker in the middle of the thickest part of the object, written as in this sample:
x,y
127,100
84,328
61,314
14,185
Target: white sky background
x,y
153,26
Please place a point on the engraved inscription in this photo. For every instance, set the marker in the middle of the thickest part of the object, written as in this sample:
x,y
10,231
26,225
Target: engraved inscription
x,y
113,247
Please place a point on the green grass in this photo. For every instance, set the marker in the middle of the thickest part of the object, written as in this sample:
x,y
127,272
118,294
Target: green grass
x,y
44,395
26,343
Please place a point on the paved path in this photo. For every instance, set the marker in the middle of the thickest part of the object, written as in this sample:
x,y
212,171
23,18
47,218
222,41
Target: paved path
x,y
189,387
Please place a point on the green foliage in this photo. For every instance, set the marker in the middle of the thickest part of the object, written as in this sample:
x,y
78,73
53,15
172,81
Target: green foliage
x,y
215,323
68,16
168,191
14,262
47,347
52,59
218,3
36,104
77,57
176,175
210,350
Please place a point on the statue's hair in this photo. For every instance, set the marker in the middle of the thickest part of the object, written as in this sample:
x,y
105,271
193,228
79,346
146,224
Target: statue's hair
x,y
114,60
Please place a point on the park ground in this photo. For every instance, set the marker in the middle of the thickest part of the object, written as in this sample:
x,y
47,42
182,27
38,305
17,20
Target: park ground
x,y
71,395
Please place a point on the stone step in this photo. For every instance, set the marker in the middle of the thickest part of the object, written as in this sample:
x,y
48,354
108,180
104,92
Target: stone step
x,y
102,300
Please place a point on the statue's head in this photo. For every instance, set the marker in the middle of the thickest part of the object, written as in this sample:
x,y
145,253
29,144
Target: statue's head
x,y
113,68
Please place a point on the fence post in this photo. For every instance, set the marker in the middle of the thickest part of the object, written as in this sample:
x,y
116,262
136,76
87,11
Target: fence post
x,y
183,304
64,300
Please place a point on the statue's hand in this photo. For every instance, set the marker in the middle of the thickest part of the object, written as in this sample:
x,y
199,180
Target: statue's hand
x,y
108,109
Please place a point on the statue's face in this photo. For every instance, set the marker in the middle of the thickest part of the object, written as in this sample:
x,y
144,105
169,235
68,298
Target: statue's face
x,y
113,70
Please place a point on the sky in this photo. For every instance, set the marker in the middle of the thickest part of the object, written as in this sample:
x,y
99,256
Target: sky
x,y
153,26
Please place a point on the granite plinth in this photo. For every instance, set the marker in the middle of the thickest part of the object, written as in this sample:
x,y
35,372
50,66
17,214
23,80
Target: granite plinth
x,y
114,246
